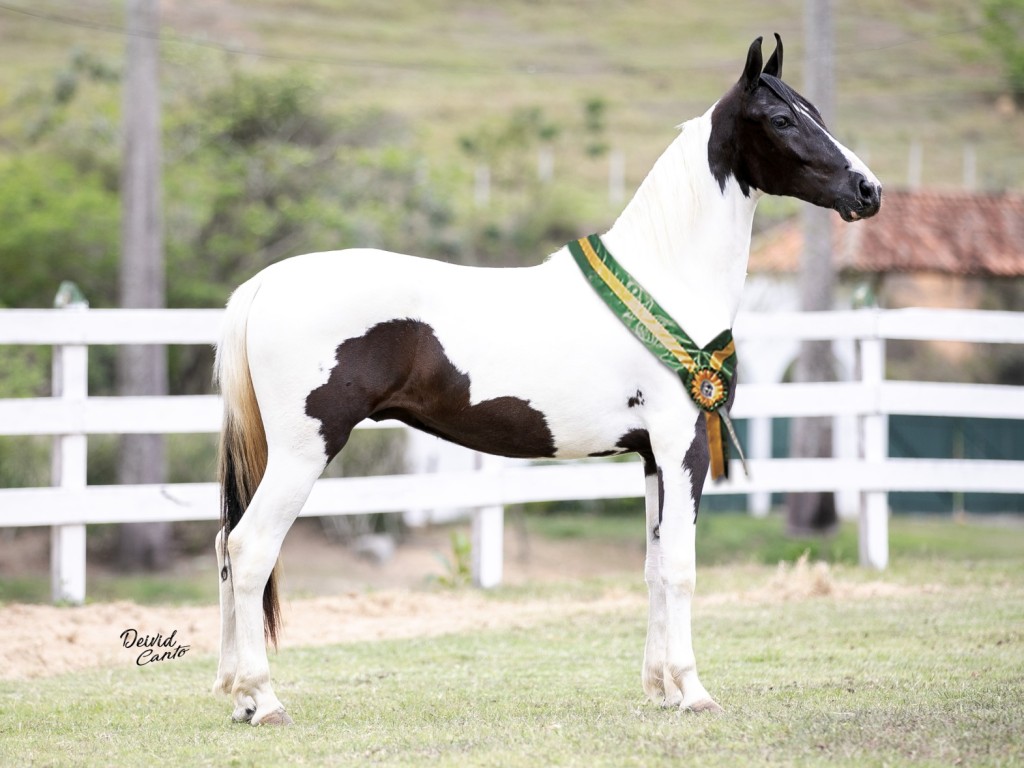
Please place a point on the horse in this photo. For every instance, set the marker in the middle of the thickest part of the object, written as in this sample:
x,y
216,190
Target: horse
x,y
519,362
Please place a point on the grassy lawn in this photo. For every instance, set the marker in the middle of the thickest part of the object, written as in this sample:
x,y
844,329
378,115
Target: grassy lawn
x,y
927,669
731,537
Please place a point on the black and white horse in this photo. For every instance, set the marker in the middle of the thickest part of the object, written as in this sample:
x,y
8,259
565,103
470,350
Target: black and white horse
x,y
518,362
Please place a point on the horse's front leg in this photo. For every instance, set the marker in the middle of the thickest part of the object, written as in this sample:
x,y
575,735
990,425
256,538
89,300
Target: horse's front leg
x,y
653,672
682,476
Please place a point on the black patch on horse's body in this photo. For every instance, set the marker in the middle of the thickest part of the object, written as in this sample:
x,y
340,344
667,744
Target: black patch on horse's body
x,y
399,370
639,441
698,455
602,454
696,461
635,400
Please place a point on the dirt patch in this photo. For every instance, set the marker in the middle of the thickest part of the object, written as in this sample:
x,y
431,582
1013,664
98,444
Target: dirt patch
x,y
804,579
333,596
41,640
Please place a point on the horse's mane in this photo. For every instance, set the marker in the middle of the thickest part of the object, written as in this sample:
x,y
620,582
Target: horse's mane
x,y
789,96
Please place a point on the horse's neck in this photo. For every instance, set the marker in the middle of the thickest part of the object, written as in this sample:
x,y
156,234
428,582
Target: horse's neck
x,y
684,239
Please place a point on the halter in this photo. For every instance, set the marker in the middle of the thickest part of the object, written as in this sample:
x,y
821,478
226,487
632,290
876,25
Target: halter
x,y
706,372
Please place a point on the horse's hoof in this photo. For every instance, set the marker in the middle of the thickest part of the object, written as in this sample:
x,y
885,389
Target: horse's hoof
x,y
277,717
243,714
705,705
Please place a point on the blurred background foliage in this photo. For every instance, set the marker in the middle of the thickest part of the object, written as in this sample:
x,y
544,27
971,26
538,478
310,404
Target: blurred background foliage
x,y
256,169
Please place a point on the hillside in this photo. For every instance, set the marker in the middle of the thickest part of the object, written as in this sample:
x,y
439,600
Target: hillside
x,y
905,71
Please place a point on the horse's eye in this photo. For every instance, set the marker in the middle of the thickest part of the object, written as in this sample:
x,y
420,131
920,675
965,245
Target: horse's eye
x,y
781,121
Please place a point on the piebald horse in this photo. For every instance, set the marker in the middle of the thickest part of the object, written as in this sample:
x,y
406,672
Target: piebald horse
x,y
524,362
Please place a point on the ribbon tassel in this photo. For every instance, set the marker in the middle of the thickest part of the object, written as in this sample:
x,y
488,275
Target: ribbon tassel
x,y
716,448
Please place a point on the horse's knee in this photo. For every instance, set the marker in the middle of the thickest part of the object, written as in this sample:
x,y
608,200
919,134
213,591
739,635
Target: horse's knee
x,y
679,578
652,570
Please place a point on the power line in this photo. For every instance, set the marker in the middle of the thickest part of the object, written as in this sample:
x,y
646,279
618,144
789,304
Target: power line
x,y
117,29
259,53
235,50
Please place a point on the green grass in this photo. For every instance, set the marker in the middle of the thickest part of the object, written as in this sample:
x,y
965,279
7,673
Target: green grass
x,y
926,677
739,538
193,588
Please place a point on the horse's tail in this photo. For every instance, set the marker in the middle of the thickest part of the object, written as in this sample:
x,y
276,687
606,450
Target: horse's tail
x,y
243,441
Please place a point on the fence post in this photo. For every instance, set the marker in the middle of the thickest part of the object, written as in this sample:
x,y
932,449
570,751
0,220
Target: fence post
x,y
70,383
759,446
874,505
488,533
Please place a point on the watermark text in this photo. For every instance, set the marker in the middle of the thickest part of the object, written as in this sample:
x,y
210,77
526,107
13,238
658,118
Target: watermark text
x,y
154,648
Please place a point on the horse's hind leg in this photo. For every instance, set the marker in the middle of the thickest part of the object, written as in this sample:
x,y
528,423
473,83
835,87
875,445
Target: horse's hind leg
x,y
228,657
253,548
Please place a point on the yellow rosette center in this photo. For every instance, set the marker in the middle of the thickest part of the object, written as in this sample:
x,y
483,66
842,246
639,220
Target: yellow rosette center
x,y
707,388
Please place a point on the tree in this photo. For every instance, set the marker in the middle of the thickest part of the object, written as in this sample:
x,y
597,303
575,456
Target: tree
x,y
1005,32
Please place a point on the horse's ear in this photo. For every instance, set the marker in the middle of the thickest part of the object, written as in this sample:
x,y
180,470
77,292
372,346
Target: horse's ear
x,y
774,65
752,70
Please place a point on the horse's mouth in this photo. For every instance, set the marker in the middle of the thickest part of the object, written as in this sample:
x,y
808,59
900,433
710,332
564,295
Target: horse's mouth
x,y
850,213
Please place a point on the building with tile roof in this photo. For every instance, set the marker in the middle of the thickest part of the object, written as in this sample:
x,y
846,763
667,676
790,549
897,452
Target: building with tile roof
x,y
925,248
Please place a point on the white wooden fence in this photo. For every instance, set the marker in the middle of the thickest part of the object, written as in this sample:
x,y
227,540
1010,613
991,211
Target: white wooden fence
x,y
70,415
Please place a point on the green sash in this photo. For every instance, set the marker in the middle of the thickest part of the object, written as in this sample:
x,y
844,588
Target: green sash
x,y
706,372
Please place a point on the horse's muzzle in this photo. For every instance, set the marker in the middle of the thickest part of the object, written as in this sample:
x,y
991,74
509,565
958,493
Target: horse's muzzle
x,y
865,201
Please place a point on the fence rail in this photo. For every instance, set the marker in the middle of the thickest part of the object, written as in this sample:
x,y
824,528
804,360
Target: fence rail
x,y
70,415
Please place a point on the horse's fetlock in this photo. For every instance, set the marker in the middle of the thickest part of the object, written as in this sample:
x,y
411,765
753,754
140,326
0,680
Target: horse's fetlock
x,y
224,684
678,672
653,679
248,683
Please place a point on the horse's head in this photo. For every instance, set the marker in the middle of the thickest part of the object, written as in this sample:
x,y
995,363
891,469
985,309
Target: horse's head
x,y
770,138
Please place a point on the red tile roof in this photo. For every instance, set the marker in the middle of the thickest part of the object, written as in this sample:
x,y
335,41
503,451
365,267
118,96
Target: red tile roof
x,y
956,232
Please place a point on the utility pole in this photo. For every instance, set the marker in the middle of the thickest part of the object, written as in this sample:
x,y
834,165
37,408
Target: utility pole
x,y
812,438
142,370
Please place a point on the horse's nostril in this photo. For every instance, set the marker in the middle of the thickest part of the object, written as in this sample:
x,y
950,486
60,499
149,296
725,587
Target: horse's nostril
x,y
868,191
